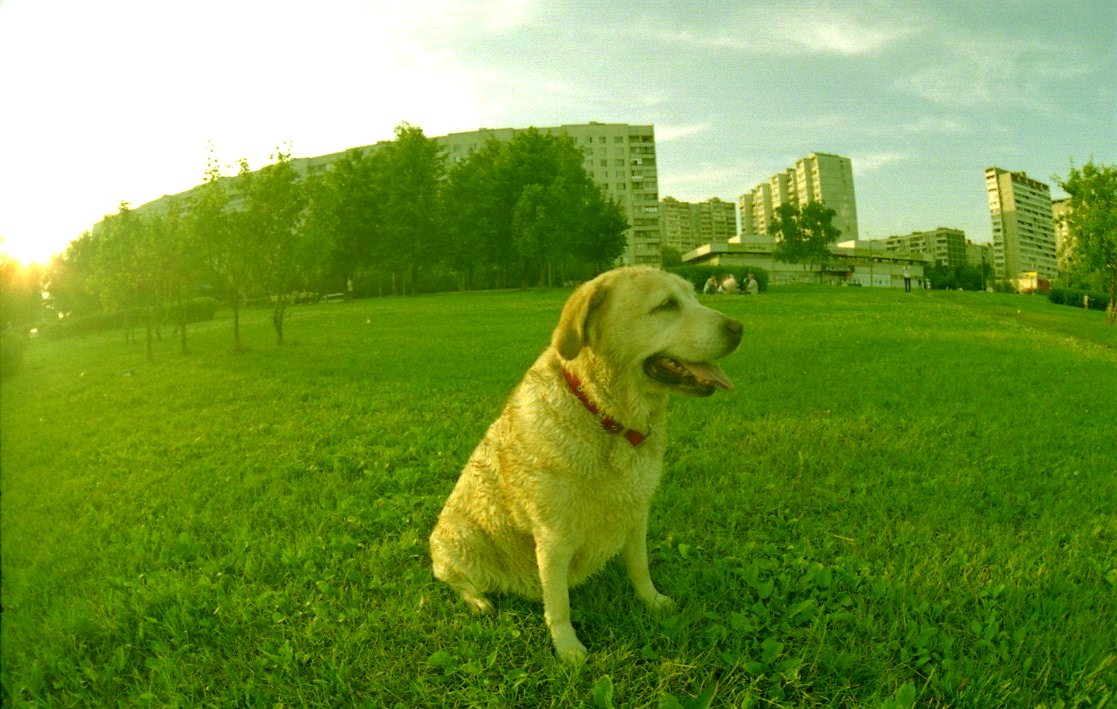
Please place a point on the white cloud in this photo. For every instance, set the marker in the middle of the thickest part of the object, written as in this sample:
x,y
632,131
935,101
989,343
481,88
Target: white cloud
x,y
936,125
982,72
785,31
866,163
665,133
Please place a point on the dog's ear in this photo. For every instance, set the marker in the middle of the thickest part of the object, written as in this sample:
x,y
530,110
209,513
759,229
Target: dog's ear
x,y
573,328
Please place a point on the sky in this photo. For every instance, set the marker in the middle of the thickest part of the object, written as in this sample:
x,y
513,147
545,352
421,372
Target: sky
x,y
120,100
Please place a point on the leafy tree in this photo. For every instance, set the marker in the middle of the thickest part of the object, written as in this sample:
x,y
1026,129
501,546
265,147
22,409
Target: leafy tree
x,y
345,214
70,279
212,230
804,235
274,199
671,257
122,273
532,221
527,211
472,199
1092,224
410,185
176,259
601,239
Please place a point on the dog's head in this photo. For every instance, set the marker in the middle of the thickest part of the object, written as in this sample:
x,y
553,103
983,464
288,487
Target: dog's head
x,y
646,323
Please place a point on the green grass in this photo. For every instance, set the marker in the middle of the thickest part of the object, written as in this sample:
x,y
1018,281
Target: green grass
x,y
907,499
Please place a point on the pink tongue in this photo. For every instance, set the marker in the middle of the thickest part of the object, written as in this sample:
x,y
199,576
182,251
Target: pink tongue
x,y
708,372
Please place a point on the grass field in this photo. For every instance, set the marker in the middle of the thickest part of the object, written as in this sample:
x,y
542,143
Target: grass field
x,y
906,500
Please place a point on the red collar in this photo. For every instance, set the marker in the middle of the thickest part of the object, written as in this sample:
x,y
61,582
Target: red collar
x,y
609,423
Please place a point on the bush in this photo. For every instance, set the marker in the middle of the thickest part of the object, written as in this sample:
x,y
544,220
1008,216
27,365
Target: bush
x,y
1073,298
195,310
698,275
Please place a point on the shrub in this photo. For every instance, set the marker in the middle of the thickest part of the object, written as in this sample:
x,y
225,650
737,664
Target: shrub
x,y
1073,298
195,310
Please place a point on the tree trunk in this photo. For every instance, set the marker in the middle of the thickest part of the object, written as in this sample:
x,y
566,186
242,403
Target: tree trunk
x,y
182,327
236,324
150,349
277,318
1111,310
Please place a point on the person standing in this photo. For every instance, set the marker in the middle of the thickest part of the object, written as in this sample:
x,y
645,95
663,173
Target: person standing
x,y
907,278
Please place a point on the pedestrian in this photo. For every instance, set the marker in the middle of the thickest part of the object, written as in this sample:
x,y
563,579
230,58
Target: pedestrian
x,y
907,278
730,284
751,286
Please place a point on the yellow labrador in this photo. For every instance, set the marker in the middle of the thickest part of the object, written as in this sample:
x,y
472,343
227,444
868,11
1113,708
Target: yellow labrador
x,y
562,481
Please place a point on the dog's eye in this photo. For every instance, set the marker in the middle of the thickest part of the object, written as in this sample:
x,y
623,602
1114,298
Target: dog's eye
x,y
669,303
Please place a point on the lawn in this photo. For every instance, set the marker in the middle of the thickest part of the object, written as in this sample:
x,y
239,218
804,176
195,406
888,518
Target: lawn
x,y
906,500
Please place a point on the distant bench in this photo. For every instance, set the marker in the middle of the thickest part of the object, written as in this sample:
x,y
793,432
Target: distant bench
x,y
333,297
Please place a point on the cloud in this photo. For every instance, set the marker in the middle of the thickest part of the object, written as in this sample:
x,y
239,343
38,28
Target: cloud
x,y
985,72
668,133
789,31
836,32
935,125
867,163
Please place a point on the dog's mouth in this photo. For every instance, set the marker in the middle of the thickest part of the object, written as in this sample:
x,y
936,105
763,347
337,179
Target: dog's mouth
x,y
693,378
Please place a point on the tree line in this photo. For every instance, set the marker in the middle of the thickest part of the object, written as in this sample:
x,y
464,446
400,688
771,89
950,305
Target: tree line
x,y
394,219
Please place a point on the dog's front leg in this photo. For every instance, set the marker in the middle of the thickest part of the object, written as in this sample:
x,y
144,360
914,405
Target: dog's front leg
x,y
554,571
636,561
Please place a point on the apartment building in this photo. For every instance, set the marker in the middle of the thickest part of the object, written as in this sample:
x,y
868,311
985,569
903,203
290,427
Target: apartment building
x,y
943,245
818,177
687,225
1023,226
621,158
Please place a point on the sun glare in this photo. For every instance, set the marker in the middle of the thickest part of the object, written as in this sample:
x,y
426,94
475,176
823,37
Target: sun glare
x,y
26,251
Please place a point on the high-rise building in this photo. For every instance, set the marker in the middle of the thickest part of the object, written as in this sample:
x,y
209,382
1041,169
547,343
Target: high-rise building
x,y
1023,227
819,177
688,225
619,157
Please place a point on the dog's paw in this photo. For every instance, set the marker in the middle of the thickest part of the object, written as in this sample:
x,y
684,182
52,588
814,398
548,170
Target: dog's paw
x,y
571,650
661,603
477,603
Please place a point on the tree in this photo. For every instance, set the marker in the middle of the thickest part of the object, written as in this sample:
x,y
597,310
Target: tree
x,y
410,185
804,235
274,199
345,214
211,225
528,213
70,280
1092,225
471,198
176,260
122,271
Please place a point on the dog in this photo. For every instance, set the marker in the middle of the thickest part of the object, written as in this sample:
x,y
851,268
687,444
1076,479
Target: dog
x,y
563,479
